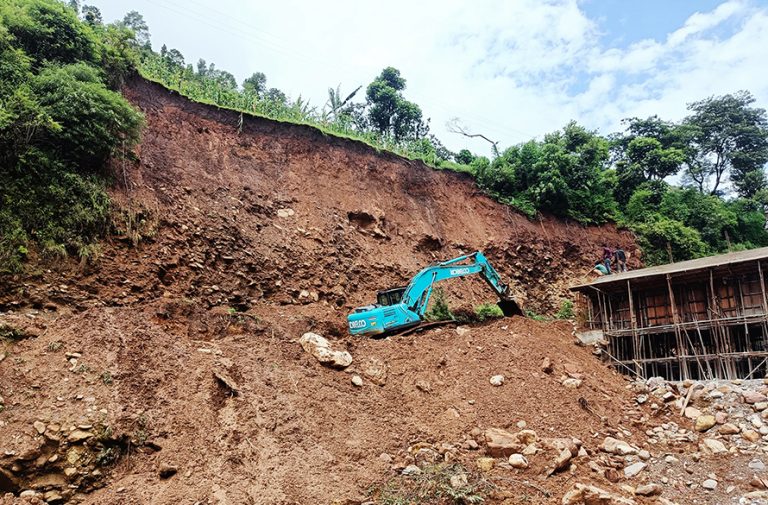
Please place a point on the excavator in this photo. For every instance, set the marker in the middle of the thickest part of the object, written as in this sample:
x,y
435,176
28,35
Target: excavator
x,y
402,309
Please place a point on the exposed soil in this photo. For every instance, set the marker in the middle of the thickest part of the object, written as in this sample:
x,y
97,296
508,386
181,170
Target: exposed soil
x,y
231,239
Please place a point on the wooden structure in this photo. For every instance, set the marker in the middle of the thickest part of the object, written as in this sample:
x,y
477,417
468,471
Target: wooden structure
x,y
700,319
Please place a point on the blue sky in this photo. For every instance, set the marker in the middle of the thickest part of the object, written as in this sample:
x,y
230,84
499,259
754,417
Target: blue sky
x,y
511,69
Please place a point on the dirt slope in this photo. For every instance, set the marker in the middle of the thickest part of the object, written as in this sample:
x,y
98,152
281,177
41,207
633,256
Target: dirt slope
x,y
234,237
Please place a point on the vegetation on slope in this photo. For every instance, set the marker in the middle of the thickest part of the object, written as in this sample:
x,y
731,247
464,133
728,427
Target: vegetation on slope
x,y
61,119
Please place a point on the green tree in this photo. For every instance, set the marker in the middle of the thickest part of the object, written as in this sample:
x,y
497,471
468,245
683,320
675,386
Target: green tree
x,y
94,120
48,31
135,22
255,84
727,134
660,236
465,157
389,113
649,149
92,15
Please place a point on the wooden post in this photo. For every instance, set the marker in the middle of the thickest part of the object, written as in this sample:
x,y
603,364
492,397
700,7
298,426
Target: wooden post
x,y
633,325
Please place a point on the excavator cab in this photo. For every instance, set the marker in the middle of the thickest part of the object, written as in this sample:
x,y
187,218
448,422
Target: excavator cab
x,y
390,296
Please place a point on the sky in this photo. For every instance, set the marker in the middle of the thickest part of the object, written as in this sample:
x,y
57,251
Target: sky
x,y
512,70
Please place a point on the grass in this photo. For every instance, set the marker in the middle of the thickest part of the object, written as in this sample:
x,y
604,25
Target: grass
x,y
488,311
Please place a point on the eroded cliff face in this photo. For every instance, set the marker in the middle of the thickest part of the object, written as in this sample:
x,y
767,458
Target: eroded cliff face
x,y
178,348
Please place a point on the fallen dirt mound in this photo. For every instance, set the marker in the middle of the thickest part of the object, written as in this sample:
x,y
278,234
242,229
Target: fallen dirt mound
x,y
244,415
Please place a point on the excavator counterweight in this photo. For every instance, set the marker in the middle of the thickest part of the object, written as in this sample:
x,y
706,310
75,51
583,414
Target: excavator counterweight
x,y
400,308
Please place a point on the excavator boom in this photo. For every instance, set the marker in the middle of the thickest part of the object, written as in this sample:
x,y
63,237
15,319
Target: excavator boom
x,y
410,310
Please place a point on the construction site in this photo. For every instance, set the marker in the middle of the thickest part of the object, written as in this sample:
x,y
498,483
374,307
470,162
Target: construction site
x,y
208,358
699,319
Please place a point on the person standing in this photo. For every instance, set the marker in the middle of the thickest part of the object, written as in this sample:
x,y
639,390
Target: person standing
x,y
621,259
607,255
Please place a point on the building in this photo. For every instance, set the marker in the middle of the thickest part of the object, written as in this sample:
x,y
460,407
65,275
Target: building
x,y
699,319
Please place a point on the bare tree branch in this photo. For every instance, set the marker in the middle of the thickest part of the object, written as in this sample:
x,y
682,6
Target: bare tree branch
x,y
455,126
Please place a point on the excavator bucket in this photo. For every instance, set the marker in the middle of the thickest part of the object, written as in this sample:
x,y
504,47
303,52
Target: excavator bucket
x,y
509,307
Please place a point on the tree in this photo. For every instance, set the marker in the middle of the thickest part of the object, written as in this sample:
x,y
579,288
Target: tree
x,y
256,84
92,15
389,113
726,134
275,95
135,21
48,31
465,157
649,149
74,5
94,120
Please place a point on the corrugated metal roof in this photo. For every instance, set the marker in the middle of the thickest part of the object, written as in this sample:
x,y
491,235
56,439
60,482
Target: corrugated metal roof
x,y
674,268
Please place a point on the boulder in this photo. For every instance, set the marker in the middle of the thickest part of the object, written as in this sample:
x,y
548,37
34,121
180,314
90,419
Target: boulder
x,y
497,380
751,436
619,447
713,446
728,429
501,442
582,494
634,469
518,461
703,423
753,397
648,490
320,348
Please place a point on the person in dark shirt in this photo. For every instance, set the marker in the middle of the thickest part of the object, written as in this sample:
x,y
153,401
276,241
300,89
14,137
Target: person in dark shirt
x,y
607,256
621,259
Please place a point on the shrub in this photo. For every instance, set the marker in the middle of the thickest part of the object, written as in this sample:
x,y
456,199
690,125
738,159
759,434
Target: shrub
x,y
488,311
566,310
440,310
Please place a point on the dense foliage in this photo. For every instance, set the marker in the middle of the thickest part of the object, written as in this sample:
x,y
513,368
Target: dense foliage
x,y
59,123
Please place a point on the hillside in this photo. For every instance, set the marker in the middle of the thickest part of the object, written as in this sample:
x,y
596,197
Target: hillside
x,y
169,371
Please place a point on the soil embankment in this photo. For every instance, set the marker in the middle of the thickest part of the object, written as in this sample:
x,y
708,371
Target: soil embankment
x,y
175,357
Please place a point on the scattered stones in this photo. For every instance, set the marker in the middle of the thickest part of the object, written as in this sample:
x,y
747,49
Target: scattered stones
x,y
572,383
167,471
634,469
584,494
78,436
619,447
710,484
485,464
751,436
39,427
703,423
648,490
411,470
713,446
497,380
753,397
692,412
756,465
284,213
357,380
518,461
729,429
320,348
546,366
462,330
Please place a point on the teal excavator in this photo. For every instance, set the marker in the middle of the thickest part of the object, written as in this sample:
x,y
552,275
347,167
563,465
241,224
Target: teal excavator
x,y
403,308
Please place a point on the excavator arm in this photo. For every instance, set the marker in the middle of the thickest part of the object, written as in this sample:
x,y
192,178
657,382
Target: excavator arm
x,y
417,295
